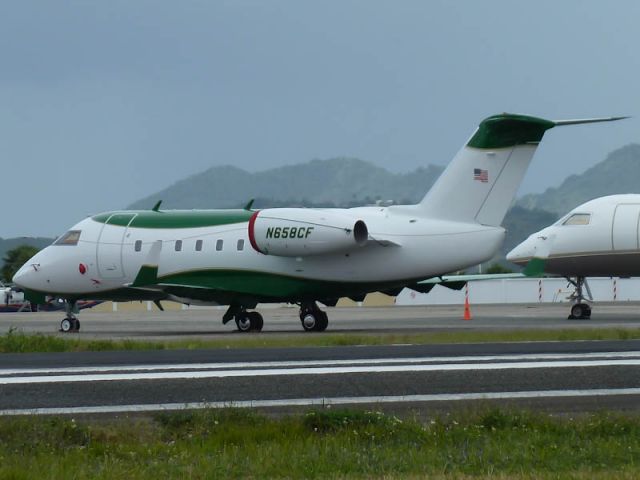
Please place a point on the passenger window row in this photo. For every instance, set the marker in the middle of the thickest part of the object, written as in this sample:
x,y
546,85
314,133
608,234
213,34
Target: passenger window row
x,y
199,245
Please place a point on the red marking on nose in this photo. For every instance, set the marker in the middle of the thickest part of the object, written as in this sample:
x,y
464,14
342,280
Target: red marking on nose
x,y
82,268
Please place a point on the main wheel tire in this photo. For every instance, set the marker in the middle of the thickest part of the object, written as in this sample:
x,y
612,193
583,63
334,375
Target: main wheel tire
x,y
579,310
66,325
309,321
256,321
243,322
323,321
76,325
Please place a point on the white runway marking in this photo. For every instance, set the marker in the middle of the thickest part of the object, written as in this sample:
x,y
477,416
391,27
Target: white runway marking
x,y
309,363
317,370
323,402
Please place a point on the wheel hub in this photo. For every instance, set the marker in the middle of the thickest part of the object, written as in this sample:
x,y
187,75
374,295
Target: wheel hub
x,y
309,320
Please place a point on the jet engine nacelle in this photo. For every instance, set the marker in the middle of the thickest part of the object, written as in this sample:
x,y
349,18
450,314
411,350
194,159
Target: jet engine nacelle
x,y
298,232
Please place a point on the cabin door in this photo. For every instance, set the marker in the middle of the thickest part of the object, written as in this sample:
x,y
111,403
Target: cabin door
x,y
624,234
109,248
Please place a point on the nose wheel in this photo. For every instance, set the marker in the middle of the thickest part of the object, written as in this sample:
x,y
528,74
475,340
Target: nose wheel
x,y
70,323
580,310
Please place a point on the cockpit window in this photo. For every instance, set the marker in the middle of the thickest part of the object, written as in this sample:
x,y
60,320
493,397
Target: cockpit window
x,y
578,219
69,238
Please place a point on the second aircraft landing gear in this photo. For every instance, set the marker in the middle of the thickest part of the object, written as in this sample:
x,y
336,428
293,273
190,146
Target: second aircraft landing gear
x,y
70,323
245,321
313,319
579,310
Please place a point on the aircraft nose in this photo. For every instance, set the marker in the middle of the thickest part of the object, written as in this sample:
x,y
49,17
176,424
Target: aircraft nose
x,y
538,245
27,276
522,252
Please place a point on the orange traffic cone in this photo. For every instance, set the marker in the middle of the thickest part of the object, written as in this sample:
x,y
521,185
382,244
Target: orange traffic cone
x,y
467,310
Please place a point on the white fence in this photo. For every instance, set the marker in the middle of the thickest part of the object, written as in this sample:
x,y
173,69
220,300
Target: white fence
x,y
524,290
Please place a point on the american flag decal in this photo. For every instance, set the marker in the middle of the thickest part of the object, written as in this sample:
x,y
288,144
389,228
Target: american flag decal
x,y
481,175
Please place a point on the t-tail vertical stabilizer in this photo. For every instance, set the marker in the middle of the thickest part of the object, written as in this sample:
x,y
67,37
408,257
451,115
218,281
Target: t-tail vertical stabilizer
x,y
481,181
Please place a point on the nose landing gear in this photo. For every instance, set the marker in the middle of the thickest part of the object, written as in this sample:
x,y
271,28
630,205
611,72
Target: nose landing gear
x,y
70,323
580,310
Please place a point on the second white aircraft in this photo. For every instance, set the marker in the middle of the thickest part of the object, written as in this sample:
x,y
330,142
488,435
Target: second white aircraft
x,y
596,239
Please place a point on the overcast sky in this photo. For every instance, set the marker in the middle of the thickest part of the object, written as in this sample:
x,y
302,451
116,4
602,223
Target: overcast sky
x,y
104,102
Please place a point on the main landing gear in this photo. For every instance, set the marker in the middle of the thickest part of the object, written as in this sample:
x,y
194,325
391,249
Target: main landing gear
x,y
70,323
580,310
245,321
313,319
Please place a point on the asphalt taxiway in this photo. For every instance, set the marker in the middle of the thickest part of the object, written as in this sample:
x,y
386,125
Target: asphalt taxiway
x,y
558,376
564,376
207,323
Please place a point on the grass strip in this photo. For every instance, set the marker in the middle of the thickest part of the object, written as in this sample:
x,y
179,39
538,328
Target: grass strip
x,y
322,444
16,341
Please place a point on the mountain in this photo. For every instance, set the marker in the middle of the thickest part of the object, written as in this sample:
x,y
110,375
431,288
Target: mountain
x,y
333,182
618,173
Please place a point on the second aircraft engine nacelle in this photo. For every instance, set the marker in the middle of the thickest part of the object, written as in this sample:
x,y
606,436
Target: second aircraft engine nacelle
x,y
299,232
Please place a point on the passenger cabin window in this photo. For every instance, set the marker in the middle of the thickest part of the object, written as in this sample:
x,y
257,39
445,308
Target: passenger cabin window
x,y
219,245
198,245
138,245
178,245
69,238
578,219
240,245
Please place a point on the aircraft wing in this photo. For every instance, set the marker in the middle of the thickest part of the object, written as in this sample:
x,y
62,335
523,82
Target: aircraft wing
x,y
457,282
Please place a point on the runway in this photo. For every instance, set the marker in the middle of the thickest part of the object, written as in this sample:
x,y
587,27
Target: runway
x,y
558,376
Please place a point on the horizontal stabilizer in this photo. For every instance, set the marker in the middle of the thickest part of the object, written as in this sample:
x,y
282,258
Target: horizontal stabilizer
x,y
579,121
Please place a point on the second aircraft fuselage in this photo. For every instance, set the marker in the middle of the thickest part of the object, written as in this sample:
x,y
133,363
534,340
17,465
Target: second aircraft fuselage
x,y
598,238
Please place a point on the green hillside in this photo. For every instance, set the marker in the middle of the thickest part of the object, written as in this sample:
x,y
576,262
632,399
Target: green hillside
x,y
333,182
618,173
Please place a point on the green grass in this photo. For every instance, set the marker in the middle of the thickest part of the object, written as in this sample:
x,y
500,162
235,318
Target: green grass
x,y
16,341
321,444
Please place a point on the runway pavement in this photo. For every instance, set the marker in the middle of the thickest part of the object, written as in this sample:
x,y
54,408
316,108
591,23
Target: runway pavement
x,y
561,376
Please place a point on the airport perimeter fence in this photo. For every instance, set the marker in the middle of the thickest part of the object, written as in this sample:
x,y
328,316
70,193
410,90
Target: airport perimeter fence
x,y
525,290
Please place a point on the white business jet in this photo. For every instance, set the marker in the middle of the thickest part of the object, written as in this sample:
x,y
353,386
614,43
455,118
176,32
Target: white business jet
x,y
597,239
244,257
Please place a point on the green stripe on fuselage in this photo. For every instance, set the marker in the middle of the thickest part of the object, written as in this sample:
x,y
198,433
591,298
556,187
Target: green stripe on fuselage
x,y
174,218
508,130
226,286
277,287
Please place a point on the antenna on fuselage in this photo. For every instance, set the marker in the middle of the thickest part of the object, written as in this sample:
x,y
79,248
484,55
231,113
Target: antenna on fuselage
x,y
250,204
156,207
